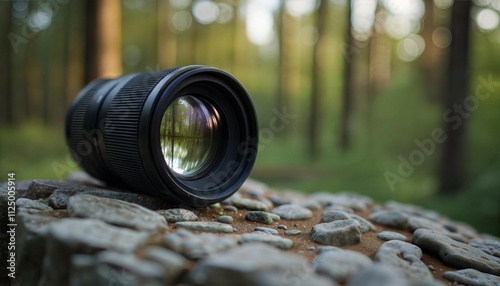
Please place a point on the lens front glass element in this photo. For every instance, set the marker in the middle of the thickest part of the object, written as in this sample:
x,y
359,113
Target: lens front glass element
x,y
188,135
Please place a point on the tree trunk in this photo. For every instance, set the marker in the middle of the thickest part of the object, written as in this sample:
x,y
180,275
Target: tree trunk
x,y
430,62
103,39
6,110
281,100
457,87
314,112
345,132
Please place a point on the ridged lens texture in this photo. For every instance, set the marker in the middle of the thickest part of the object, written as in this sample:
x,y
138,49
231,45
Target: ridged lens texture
x,y
187,133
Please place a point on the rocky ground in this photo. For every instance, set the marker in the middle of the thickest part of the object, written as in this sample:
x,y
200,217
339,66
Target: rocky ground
x,y
79,233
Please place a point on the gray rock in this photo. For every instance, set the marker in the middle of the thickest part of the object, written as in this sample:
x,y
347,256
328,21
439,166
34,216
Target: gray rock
x,y
59,198
83,270
416,222
366,226
175,215
340,265
489,246
293,232
116,212
393,219
472,277
410,210
209,226
259,216
313,205
455,253
127,269
254,188
356,202
173,264
311,248
195,246
277,241
249,204
339,208
21,187
292,212
5,200
333,215
225,219
44,188
337,233
378,275
31,206
31,236
323,249
405,257
266,229
461,228
262,265
215,206
86,236
230,208
275,217
390,235
279,200
282,226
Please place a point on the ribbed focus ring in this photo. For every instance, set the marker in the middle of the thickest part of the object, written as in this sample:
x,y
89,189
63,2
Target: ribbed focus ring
x,y
122,129
78,144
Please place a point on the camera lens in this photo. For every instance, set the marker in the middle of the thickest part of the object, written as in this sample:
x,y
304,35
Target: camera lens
x,y
187,134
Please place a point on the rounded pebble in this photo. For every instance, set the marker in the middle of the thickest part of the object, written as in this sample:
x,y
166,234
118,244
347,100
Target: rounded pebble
x,y
225,219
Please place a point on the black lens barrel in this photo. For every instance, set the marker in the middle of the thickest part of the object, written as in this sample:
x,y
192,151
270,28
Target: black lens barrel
x,y
113,132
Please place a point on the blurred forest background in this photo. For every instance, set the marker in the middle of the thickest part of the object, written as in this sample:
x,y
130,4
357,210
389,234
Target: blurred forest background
x,y
395,99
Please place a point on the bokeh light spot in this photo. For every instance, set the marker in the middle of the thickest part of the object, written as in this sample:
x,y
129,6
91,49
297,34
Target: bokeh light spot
x,y
487,19
205,11
441,37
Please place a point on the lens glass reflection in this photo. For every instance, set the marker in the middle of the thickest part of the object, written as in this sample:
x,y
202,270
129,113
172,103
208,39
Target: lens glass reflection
x,y
187,135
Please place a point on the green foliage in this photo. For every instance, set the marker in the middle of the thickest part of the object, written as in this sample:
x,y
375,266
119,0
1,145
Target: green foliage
x,y
33,150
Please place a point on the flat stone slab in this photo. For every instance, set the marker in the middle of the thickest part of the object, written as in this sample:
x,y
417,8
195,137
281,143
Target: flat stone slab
x,y
116,212
60,197
406,258
340,264
276,241
44,188
379,275
489,246
69,236
195,246
131,270
334,215
209,226
390,235
175,215
337,233
255,264
393,219
455,253
249,204
292,212
31,240
31,206
173,264
472,277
